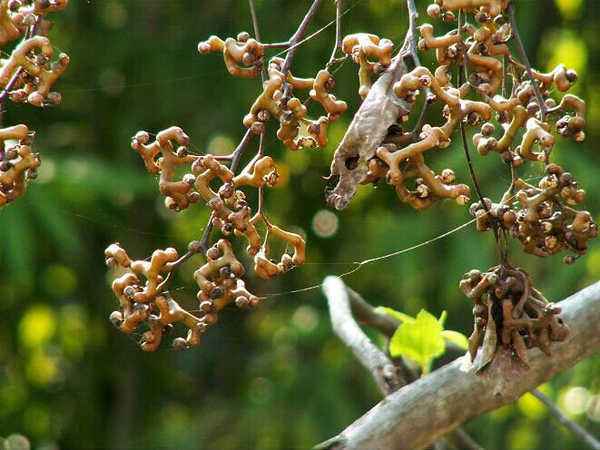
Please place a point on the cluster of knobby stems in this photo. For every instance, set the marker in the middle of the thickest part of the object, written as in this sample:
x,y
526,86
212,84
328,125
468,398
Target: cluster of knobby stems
x,y
522,121
519,120
140,288
510,312
26,76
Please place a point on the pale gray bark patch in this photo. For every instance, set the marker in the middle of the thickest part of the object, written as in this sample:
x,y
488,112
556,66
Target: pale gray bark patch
x,y
345,327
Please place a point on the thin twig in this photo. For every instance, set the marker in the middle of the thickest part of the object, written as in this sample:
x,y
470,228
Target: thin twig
x,y
339,4
261,189
411,41
204,240
235,162
254,20
11,83
525,59
502,250
464,76
240,149
299,34
419,123
573,427
367,314
285,44
236,157
472,173
263,69
463,133
463,440
411,36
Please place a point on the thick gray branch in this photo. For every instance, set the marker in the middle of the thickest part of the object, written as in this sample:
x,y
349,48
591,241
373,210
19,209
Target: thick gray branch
x,y
345,327
346,304
420,413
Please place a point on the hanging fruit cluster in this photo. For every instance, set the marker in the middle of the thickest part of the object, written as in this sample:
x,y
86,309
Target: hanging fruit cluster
x,y
509,312
478,82
140,285
541,217
26,76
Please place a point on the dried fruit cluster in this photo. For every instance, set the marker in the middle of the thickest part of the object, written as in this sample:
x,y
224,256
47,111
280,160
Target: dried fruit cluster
x,y
140,288
518,119
26,76
244,58
510,312
481,58
541,217
517,101
142,300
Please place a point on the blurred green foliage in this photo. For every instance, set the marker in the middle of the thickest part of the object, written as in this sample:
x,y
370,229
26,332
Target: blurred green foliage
x,y
276,378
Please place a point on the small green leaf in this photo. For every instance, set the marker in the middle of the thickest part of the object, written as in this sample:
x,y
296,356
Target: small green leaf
x,y
456,338
420,341
404,318
442,319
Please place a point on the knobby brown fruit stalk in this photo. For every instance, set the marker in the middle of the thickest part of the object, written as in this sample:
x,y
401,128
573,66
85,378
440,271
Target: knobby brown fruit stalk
x,y
26,76
477,80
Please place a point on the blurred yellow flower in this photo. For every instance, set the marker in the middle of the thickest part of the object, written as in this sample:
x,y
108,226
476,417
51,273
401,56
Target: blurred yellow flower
x,y
42,369
531,407
568,49
569,9
37,326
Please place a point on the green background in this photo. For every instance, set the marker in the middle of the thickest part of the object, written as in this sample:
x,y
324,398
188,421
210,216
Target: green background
x,y
276,378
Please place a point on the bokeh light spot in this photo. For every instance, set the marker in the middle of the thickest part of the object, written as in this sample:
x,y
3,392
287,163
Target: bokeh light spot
x,y
37,326
575,400
305,318
42,369
59,280
569,9
568,49
325,223
220,145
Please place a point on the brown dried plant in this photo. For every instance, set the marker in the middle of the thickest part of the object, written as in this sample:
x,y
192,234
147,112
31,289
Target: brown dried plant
x,y
510,312
478,81
26,76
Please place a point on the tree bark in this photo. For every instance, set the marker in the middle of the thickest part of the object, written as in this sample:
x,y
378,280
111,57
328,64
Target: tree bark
x,y
384,372
420,413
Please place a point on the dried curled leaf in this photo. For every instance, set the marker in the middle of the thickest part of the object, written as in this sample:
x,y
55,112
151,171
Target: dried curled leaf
x,y
367,131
